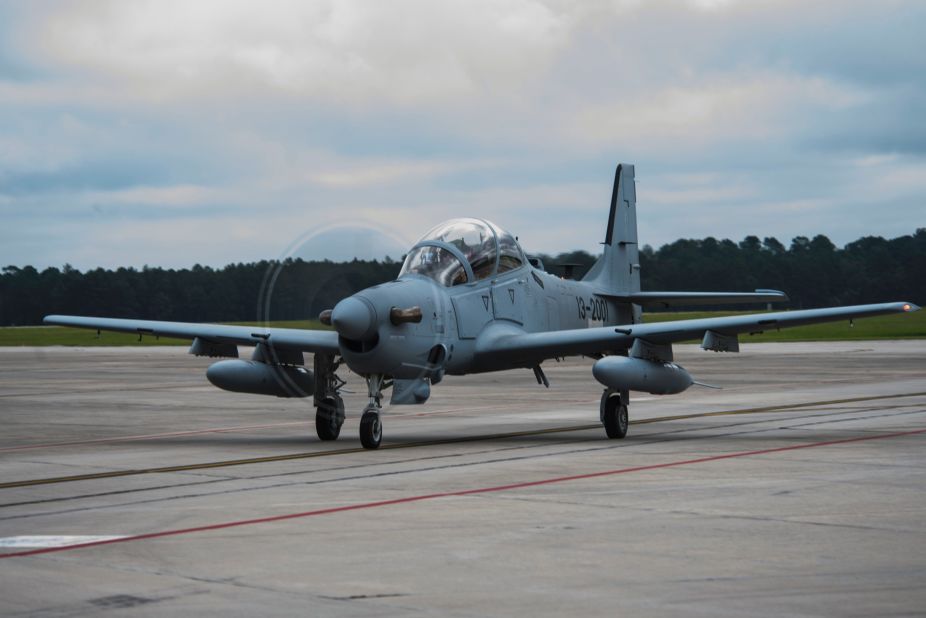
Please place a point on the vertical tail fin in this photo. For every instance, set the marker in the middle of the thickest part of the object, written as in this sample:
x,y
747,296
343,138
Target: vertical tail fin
x,y
617,271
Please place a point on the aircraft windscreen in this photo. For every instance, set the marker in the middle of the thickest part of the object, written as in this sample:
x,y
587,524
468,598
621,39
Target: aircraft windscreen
x,y
509,253
435,263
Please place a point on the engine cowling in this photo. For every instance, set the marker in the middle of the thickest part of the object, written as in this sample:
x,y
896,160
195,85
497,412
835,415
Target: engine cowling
x,y
257,378
637,374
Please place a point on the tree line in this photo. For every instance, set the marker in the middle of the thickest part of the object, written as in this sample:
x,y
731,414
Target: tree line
x,y
813,272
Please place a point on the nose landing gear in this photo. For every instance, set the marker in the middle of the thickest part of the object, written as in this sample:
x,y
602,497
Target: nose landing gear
x,y
371,425
371,428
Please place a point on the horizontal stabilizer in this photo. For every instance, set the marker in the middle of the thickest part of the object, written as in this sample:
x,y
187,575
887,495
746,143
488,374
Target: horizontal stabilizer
x,y
669,299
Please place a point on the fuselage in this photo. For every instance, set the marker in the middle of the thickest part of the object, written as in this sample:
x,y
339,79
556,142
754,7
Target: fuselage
x,y
461,307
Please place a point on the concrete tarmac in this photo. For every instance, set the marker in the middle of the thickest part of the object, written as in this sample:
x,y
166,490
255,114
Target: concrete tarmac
x,y
799,489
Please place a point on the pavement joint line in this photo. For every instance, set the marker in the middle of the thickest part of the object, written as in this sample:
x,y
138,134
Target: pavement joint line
x,y
603,445
439,442
153,436
461,493
785,407
236,428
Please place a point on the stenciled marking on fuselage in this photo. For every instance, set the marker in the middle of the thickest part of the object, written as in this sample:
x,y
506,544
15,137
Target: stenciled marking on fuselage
x,y
593,308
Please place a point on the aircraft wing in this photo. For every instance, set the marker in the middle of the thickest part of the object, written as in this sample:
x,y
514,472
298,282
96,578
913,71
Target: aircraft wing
x,y
289,338
509,344
668,299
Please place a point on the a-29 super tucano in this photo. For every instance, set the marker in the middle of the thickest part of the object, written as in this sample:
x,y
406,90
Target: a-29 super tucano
x,y
468,300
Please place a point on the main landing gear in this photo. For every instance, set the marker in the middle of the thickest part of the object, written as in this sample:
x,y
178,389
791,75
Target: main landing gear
x,y
329,416
614,415
329,407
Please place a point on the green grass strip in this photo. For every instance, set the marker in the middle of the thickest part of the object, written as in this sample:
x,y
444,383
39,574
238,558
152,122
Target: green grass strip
x,y
900,326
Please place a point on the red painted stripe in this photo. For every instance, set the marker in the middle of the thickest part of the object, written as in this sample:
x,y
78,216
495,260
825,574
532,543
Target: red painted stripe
x,y
462,492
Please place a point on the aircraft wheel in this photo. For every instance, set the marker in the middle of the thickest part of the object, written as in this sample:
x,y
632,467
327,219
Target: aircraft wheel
x,y
371,429
329,417
614,415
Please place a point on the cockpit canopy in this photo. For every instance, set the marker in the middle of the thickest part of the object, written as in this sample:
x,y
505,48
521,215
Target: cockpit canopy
x,y
485,249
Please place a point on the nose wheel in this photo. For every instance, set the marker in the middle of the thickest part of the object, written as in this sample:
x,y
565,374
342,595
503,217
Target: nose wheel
x,y
371,428
371,424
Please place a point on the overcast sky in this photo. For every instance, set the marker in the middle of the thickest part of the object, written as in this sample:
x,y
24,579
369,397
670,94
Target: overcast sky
x,y
170,132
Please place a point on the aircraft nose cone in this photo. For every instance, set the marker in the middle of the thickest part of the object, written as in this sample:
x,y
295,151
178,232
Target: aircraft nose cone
x,y
354,318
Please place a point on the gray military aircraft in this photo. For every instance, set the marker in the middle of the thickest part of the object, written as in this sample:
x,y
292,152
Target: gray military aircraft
x,y
468,300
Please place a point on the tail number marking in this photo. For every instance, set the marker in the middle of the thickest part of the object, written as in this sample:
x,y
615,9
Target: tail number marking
x,y
595,308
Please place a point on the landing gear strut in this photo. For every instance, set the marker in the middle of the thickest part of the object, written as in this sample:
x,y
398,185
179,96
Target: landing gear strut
x,y
329,407
371,425
614,415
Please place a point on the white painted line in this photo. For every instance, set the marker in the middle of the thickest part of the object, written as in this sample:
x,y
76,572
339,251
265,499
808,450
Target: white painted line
x,y
52,540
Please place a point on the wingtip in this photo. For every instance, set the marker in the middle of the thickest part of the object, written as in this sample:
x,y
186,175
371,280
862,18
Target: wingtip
x,y
910,307
778,294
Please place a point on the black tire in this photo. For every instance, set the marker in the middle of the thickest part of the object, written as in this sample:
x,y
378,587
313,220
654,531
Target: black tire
x,y
329,417
371,429
614,415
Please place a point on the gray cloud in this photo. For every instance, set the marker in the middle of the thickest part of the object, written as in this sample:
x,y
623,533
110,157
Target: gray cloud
x,y
175,132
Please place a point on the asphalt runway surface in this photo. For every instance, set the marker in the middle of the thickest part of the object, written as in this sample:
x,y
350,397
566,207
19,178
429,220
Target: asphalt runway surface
x,y
131,486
